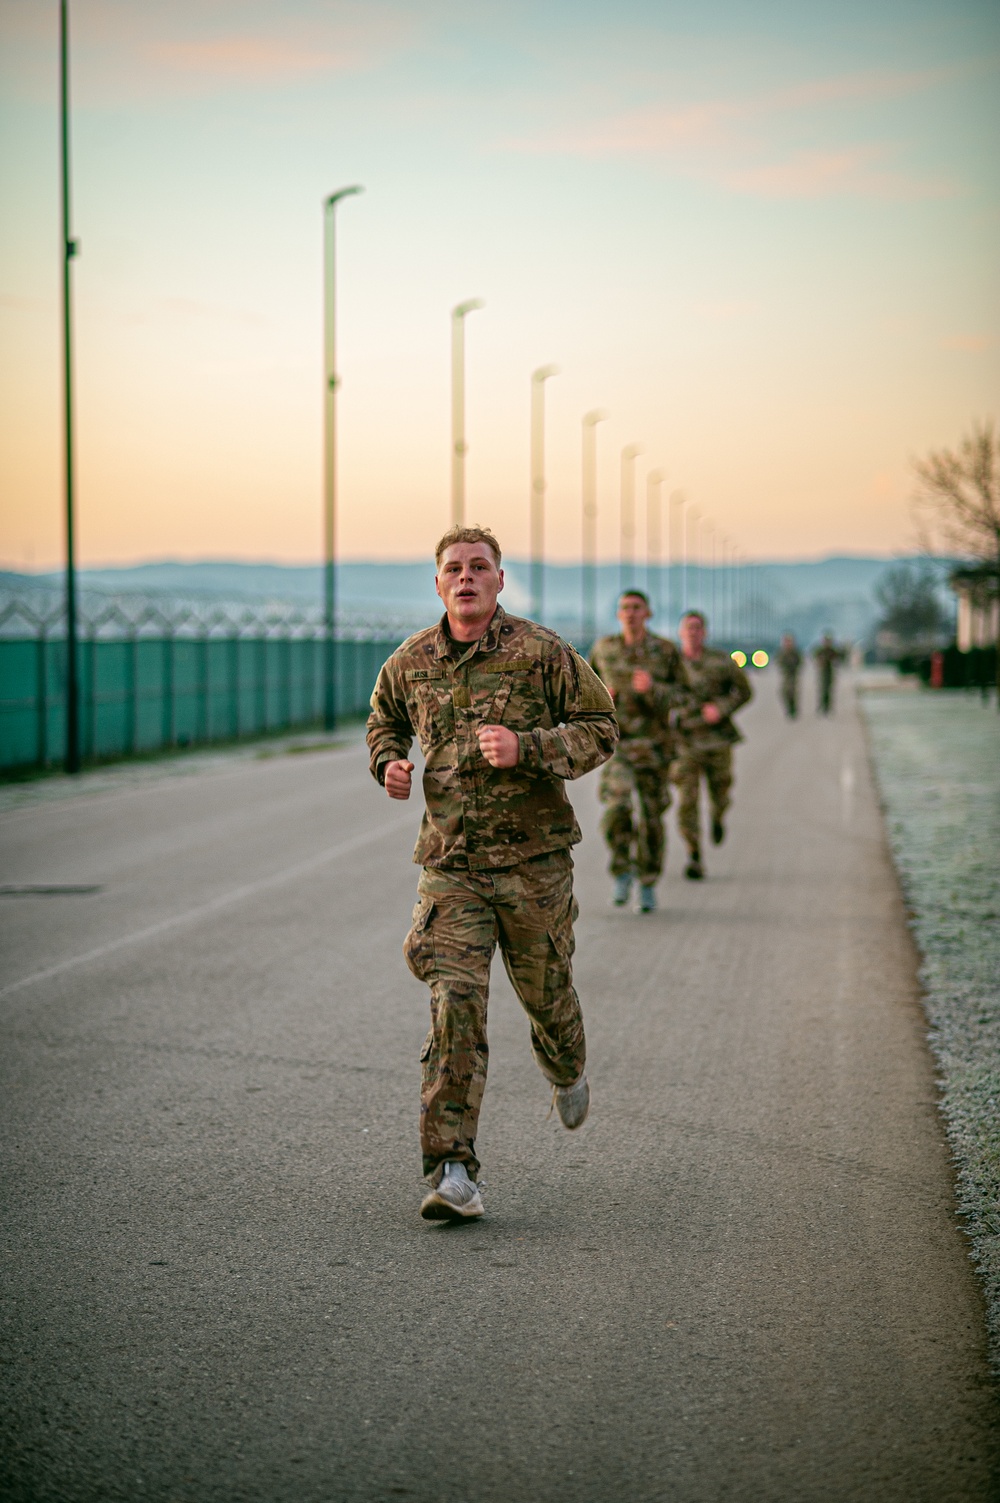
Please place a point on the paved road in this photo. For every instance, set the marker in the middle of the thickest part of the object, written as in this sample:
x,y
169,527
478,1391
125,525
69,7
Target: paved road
x,y
741,1280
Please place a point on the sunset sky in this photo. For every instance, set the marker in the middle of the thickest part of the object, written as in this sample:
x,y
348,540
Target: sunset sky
x,y
764,235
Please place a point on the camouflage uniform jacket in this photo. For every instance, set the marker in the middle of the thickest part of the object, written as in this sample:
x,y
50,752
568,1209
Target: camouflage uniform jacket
x,y
827,655
713,678
518,675
789,661
646,737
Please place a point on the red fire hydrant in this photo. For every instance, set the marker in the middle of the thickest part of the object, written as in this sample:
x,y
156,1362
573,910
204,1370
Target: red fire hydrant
x,y
937,670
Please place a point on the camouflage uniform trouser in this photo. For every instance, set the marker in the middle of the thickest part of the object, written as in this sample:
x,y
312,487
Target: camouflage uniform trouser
x,y
715,764
637,799
459,919
825,687
790,694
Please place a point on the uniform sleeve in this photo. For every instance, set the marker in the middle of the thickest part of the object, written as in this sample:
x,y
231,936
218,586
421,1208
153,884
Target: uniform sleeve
x,y
737,691
586,731
674,694
390,732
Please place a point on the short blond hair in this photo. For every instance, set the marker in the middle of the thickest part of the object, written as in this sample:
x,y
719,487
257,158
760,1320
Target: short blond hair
x,y
467,535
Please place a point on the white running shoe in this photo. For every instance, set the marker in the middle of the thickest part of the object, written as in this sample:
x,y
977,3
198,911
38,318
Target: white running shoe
x,y
456,1197
573,1103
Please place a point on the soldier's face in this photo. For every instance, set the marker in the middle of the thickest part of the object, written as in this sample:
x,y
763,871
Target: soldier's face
x,y
692,635
468,581
633,614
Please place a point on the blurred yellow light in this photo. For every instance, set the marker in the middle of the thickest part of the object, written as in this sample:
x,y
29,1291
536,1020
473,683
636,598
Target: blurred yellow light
x,y
760,658
739,658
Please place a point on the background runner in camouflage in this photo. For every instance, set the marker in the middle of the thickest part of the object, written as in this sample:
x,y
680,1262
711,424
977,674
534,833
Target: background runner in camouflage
x,y
707,736
789,665
827,657
635,784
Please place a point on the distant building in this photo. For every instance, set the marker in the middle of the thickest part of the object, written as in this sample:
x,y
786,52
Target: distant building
x,y
978,606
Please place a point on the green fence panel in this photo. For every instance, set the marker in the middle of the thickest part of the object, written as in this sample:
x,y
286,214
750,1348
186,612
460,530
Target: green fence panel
x,y
148,693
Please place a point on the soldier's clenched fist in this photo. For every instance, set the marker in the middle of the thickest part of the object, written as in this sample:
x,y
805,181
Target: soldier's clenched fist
x,y
397,779
499,746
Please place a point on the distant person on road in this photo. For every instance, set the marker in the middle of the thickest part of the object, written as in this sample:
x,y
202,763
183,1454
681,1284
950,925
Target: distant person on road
x,y
646,679
827,656
707,736
789,665
505,712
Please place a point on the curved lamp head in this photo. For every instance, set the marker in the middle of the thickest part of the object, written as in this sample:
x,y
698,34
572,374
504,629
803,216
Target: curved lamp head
x,y
591,419
461,309
544,372
334,198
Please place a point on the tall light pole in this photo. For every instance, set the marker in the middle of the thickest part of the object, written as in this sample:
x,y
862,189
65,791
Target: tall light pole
x,y
589,522
654,545
725,613
626,556
330,383
537,508
69,249
677,500
459,448
689,517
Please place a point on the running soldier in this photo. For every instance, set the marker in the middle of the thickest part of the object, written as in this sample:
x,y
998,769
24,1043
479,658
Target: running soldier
x,y
646,680
827,656
708,736
789,665
504,712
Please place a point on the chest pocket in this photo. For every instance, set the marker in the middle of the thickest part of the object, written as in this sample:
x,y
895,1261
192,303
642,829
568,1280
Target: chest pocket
x,y
495,684
428,696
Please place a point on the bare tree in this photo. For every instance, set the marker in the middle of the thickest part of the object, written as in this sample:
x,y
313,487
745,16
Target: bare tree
x,y
959,496
911,612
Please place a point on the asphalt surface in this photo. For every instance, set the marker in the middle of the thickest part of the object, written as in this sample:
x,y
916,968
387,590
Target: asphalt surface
x,y
741,1279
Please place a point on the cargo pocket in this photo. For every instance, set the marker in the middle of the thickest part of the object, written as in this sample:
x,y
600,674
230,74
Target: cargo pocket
x,y
418,946
563,938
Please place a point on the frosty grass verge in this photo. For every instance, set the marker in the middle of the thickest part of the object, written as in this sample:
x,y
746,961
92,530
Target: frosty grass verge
x,y
937,761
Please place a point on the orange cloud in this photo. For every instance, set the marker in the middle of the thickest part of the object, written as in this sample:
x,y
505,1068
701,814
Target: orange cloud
x,y
256,59
714,140
969,343
816,174
661,128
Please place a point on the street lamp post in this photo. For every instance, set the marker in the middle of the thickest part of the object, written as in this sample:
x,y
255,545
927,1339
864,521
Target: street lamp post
x,y
537,508
626,557
725,613
589,522
708,592
69,250
459,448
677,500
331,382
654,485
689,517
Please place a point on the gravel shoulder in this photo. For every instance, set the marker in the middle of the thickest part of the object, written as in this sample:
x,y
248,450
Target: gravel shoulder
x,y
937,762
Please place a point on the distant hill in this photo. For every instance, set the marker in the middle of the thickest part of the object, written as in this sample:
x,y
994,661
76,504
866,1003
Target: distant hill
x,y
833,594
